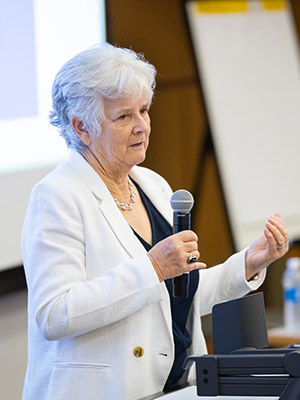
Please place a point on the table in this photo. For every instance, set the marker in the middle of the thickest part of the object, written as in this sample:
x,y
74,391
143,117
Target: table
x,y
280,337
190,393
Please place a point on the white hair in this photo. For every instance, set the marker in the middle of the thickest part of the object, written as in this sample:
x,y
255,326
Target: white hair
x,y
103,71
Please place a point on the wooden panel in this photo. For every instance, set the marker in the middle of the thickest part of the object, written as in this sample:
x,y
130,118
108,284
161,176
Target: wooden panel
x,y
210,221
155,28
179,125
177,135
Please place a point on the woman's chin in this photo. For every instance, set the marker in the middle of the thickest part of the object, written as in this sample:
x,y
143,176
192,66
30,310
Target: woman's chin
x,y
138,157
137,160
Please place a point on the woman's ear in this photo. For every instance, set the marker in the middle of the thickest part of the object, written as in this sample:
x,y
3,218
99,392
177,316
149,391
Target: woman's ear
x,y
84,135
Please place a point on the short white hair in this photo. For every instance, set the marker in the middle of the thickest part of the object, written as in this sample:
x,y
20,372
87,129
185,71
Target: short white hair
x,y
103,71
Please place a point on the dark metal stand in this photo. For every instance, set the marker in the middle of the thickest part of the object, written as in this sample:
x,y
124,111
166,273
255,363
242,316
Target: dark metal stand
x,y
249,372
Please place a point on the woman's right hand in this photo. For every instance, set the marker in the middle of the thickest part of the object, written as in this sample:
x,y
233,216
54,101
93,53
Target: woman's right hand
x,y
169,257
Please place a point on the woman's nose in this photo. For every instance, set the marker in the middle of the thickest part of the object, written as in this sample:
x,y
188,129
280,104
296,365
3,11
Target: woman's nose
x,y
141,123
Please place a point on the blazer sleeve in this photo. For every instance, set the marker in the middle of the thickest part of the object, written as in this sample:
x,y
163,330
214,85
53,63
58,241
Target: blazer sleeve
x,y
225,282
64,302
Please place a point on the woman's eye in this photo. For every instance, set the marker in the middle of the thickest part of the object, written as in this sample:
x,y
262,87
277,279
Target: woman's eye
x,y
123,116
144,111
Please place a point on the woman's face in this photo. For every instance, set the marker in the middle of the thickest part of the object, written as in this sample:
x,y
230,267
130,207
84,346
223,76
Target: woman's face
x,y
124,138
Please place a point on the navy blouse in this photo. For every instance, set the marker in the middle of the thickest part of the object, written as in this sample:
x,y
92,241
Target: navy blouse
x,y
179,306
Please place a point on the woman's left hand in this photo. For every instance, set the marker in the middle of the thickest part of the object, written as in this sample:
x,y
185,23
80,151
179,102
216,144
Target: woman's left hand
x,y
271,246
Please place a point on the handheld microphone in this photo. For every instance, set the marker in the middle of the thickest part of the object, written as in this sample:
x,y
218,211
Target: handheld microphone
x,y
182,203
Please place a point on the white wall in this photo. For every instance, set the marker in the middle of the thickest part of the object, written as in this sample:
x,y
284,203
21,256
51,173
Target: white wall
x,y
13,344
249,64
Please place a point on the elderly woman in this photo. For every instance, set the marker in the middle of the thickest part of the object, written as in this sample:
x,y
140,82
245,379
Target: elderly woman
x,y
99,253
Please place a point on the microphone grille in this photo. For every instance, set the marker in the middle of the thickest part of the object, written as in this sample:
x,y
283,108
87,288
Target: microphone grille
x,y
182,201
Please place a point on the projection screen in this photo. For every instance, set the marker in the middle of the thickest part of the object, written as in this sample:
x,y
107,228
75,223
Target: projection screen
x,y
36,38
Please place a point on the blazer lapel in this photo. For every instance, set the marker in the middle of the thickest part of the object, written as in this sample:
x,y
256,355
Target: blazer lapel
x,y
107,205
158,198
155,194
116,220
121,228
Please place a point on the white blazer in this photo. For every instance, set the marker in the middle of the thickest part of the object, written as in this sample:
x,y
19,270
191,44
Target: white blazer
x,y
99,321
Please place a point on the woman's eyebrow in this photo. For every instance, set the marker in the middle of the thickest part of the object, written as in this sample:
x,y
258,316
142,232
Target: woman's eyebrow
x,y
123,110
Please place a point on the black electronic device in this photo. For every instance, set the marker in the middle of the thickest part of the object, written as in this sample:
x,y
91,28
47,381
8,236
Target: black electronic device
x,y
269,372
249,369
240,323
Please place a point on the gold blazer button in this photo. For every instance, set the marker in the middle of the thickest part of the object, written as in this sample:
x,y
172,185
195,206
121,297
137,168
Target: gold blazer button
x,y
138,351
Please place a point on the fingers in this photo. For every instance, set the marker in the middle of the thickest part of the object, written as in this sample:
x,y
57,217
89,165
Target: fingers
x,y
189,242
187,236
173,256
278,228
276,221
276,232
192,256
188,266
188,246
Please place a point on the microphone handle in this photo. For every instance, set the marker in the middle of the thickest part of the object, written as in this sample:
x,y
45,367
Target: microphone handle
x,y
181,222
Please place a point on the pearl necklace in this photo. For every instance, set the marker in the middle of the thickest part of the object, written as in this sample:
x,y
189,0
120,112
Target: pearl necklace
x,y
129,206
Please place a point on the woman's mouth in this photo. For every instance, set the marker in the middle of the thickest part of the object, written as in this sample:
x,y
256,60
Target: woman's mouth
x,y
139,144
